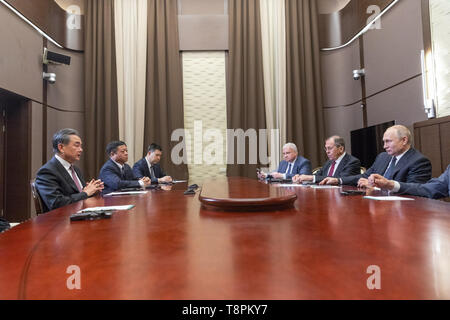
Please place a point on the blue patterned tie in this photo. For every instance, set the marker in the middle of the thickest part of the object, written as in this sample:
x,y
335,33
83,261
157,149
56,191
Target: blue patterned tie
x,y
390,171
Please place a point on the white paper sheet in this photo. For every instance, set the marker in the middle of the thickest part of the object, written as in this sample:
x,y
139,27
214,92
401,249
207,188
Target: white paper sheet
x,y
389,198
126,193
126,207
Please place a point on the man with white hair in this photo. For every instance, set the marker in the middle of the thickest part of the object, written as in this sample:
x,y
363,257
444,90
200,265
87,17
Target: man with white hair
x,y
400,162
292,164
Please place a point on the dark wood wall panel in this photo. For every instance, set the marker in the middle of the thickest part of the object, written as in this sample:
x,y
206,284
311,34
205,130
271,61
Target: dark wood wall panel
x,y
18,161
445,143
432,139
430,147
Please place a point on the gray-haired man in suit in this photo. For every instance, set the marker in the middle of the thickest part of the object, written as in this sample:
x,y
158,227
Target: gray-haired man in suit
x,y
59,182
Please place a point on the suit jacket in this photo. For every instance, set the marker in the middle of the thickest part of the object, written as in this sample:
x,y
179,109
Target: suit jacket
x,y
140,169
349,166
435,188
56,187
301,166
114,181
413,167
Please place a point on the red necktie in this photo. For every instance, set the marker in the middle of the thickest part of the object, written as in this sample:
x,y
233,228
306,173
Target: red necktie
x,y
330,174
75,179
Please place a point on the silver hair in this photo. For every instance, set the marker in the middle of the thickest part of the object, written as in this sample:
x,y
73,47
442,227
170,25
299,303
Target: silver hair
x,y
292,146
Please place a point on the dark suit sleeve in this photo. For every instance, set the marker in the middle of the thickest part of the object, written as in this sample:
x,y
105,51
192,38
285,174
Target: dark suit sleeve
x,y
138,171
353,179
436,188
51,192
306,168
420,171
112,180
352,168
303,168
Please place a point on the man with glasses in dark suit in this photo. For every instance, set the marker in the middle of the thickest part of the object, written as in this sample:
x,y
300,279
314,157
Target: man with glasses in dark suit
x,y
340,163
59,182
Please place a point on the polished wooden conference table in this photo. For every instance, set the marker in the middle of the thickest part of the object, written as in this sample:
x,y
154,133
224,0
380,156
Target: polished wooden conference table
x,y
171,246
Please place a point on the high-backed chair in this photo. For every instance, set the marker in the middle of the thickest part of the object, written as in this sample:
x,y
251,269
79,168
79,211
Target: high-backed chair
x,y
316,170
37,198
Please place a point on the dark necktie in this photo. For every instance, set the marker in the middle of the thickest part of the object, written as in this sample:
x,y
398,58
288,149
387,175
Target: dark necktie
x,y
75,179
122,173
289,168
390,171
331,172
152,173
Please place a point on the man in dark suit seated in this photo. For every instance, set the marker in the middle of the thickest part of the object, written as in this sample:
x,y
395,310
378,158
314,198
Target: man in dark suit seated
x,y
149,166
59,182
400,162
116,174
292,164
340,163
435,188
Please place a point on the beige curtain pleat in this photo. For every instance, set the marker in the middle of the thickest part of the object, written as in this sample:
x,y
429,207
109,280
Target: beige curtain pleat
x,y
273,30
131,49
101,111
164,94
305,120
246,107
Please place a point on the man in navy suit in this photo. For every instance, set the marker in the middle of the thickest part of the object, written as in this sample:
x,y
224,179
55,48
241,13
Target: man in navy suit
x,y
292,164
340,163
149,166
435,188
400,162
59,182
116,174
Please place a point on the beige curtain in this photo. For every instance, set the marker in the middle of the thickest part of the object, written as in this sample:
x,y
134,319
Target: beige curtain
x,y
246,108
164,94
305,124
101,118
273,30
131,49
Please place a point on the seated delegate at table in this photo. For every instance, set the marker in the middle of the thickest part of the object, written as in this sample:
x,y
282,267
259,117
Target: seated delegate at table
x,y
149,166
435,188
292,164
340,163
115,173
59,182
400,162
